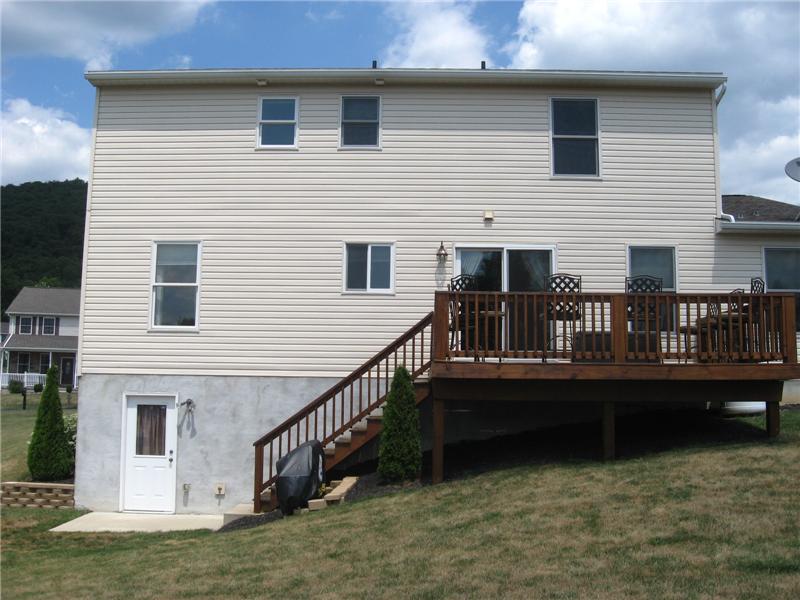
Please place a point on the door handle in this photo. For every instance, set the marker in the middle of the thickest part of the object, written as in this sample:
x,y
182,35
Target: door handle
x,y
170,456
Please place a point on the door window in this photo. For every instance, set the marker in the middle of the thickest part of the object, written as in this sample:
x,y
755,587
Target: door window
x,y
151,420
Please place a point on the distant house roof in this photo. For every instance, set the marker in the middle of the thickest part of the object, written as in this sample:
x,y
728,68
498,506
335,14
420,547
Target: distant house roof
x,y
46,301
755,208
46,343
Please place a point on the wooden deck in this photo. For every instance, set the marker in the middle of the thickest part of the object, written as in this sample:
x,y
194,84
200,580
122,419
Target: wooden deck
x,y
610,348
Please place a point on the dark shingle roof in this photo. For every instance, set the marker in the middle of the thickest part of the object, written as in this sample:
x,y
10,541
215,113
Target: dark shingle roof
x,y
46,301
755,208
42,342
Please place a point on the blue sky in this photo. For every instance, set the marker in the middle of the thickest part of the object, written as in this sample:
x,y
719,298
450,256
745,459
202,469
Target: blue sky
x,y
47,46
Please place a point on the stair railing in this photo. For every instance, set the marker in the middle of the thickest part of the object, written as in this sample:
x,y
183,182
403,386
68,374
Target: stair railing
x,y
339,408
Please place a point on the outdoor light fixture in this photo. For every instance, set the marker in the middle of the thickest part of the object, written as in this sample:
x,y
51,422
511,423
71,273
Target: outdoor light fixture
x,y
261,82
488,215
441,253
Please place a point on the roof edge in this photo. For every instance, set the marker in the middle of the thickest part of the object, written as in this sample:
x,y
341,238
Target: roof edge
x,y
264,77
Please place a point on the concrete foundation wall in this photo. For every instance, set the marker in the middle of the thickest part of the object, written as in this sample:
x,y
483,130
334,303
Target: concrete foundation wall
x,y
214,441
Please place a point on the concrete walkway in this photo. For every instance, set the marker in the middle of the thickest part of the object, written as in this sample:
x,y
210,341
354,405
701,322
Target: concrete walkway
x,y
112,521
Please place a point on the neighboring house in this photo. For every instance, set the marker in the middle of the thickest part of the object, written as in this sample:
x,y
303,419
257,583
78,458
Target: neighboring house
x,y
253,236
43,331
744,208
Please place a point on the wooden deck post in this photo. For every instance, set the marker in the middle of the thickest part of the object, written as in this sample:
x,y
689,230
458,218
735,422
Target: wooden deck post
x,y
619,328
440,324
773,419
258,478
438,441
789,326
609,434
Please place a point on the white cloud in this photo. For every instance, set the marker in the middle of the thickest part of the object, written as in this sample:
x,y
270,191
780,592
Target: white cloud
x,y
438,34
755,43
90,31
331,15
42,144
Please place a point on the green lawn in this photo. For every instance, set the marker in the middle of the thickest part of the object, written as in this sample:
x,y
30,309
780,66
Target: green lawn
x,y
704,520
16,426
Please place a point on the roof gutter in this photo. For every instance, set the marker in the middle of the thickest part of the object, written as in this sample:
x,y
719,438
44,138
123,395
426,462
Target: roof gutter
x,y
733,226
266,77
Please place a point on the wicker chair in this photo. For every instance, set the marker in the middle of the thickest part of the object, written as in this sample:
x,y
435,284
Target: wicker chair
x,y
757,285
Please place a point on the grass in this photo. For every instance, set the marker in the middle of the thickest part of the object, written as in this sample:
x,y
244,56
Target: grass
x,y
16,426
713,519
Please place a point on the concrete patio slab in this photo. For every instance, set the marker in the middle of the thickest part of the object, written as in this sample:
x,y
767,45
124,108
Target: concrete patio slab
x,y
137,522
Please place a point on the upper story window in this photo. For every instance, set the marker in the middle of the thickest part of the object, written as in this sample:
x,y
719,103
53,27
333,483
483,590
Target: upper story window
x,y
369,268
26,325
361,121
656,261
48,326
176,283
575,138
277,123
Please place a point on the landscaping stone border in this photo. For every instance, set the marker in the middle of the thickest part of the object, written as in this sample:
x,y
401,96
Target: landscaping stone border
x,y
37,495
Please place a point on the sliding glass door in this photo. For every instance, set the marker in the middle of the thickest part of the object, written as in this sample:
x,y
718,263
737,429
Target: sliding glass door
x,y
510,269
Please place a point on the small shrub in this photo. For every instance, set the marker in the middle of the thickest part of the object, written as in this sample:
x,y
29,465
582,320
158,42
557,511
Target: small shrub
x,y
400,452
49,455
15,387
37,388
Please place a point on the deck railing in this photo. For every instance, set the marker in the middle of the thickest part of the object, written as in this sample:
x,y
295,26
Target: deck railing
x,y
616,328
27,379
336,410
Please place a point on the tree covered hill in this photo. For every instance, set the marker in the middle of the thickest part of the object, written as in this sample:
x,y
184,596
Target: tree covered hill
x,y
42,235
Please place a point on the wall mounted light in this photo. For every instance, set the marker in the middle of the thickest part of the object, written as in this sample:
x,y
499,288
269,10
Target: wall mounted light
x,y
441,253
261,82
488,215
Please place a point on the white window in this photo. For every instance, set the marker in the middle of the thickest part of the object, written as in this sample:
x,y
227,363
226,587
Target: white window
x,y
277,122
361,121
655,261
575,139
782,273
176,285
369,268
26,325
49,326
23,362
44,363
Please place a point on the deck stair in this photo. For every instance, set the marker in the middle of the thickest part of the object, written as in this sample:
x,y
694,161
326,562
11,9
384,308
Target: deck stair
x,y
348,415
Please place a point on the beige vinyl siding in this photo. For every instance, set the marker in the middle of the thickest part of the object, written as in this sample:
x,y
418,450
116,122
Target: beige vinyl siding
x,y
179,163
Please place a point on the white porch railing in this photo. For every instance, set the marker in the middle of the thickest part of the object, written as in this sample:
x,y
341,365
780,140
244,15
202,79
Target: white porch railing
x,y
27,379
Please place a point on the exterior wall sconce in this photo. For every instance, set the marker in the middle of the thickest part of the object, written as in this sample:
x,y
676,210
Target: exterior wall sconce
x,y
441,253
488,215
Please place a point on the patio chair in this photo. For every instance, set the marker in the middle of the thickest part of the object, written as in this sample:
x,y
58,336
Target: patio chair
x,y
466,324
713,320
643,315
563,309
757,285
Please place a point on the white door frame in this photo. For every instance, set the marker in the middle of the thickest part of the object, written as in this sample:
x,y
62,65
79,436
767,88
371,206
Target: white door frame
x,y
124,446
61,368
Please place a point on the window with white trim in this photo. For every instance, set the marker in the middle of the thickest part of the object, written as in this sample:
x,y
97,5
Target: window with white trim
x,y
277,123
23,362
782,274
369,267
49,326
655,261
575,140
44,362
176,285
360,121
26,325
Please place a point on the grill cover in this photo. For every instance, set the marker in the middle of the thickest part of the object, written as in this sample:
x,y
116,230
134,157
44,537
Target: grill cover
x,y
300,474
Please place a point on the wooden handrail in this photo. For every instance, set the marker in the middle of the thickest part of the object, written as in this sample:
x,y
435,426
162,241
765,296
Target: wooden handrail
x,y
616,327
336,398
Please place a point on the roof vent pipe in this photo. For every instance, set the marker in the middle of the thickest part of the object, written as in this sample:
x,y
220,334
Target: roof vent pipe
x,y
483,65
374,64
